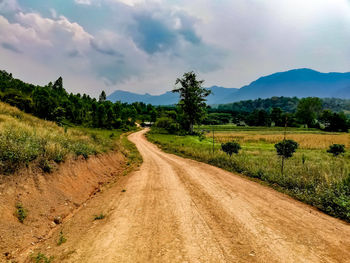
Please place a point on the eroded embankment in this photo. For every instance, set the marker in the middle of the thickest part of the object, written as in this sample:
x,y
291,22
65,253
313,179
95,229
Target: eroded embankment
x,y
49,196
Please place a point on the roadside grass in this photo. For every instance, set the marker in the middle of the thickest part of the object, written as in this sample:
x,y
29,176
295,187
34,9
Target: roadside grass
x,y
25,139
312,175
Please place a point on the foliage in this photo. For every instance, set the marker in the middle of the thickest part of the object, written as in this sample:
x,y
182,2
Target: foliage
x,y
99,217
61,239
192,99
52,102
336,149
168,124
286,148
25,139
308,110
230,147
21,212
41,258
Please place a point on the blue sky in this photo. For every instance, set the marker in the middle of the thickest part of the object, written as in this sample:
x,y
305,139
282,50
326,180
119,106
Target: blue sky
x,y
143,46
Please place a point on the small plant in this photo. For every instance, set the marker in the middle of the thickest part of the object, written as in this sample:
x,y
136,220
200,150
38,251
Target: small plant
x,y
336,149
99,217
303,159
45,166
231,147
286,149
41,258
21,212
61,239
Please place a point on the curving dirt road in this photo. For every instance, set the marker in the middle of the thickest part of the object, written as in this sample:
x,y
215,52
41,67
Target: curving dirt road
x,y
180,210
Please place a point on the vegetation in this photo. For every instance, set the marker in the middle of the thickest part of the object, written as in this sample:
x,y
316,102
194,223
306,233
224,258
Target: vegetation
x,y
99,217
286,149
52,102
312,176
41,258
336,149
192,100
230,147
26,139
61,239
21,212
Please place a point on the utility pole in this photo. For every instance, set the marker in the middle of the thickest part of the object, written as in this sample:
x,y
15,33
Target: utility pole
x,y
213,140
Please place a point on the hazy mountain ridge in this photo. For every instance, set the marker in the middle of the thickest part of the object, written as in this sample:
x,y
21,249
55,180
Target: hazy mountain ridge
x,y
293,83
168,98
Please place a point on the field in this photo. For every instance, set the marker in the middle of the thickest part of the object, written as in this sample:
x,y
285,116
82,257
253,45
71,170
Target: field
x,y
25,139
312,175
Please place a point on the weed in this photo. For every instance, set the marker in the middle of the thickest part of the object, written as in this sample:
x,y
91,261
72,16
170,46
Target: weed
x,y
41,258
61,239
21,212
99,217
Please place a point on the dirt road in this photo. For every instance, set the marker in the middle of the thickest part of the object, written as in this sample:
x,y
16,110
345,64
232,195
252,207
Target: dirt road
x,y
179,210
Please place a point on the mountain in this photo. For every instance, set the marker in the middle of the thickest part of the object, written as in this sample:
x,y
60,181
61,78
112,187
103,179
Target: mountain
x,y
293,83
168,98
297,83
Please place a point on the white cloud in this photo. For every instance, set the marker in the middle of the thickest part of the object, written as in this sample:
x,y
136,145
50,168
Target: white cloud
x,y
83,2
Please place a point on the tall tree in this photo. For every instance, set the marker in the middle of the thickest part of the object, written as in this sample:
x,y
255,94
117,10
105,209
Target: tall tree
x,y
308,110
192,99
103,96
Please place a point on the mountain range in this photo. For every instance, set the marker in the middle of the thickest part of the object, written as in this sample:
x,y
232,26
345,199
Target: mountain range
x,y
293,83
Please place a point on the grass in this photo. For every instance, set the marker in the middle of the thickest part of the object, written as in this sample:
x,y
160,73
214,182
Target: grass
x,y
99,217
41,258
312,175
25,139
61,239
21,212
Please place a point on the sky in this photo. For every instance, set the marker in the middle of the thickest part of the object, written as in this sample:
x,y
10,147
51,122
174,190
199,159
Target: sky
x,y
144,45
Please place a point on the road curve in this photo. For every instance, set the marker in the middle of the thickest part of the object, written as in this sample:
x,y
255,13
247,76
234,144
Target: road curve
x,y
180,210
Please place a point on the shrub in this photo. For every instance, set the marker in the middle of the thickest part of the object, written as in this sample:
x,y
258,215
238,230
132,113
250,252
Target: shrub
x,y
61,239
168,124
99,217
336,149
21,212
286,148
41,258
231,147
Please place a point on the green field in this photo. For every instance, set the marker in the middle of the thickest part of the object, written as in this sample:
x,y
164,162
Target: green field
x,y
312,175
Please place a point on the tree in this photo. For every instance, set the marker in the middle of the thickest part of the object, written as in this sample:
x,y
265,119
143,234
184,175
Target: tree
x,y
336,149
286,149
277,117
231,147
308,110
192,99
102,96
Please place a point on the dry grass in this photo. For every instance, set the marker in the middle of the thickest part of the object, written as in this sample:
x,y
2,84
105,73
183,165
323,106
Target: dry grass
x,y
306,140
25,139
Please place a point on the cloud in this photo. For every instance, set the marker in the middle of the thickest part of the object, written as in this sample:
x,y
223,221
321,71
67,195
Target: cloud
x,y
83,2
10,47
144,45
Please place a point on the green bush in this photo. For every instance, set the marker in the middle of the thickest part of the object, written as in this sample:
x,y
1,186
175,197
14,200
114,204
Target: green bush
x,y
286,148
230,148
21,212
336,149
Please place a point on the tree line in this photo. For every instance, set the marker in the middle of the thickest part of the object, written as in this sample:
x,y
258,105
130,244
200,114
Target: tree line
x,y
52,102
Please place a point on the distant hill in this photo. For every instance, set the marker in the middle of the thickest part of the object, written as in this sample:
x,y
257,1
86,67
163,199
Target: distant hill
x,y
219,94
299,83
293,83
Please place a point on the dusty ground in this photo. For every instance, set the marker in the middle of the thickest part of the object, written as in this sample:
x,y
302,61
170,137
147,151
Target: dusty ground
x,y
179,210
49,196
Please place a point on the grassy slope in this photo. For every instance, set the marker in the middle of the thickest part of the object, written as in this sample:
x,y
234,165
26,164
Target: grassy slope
x,y
322,180
25,139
